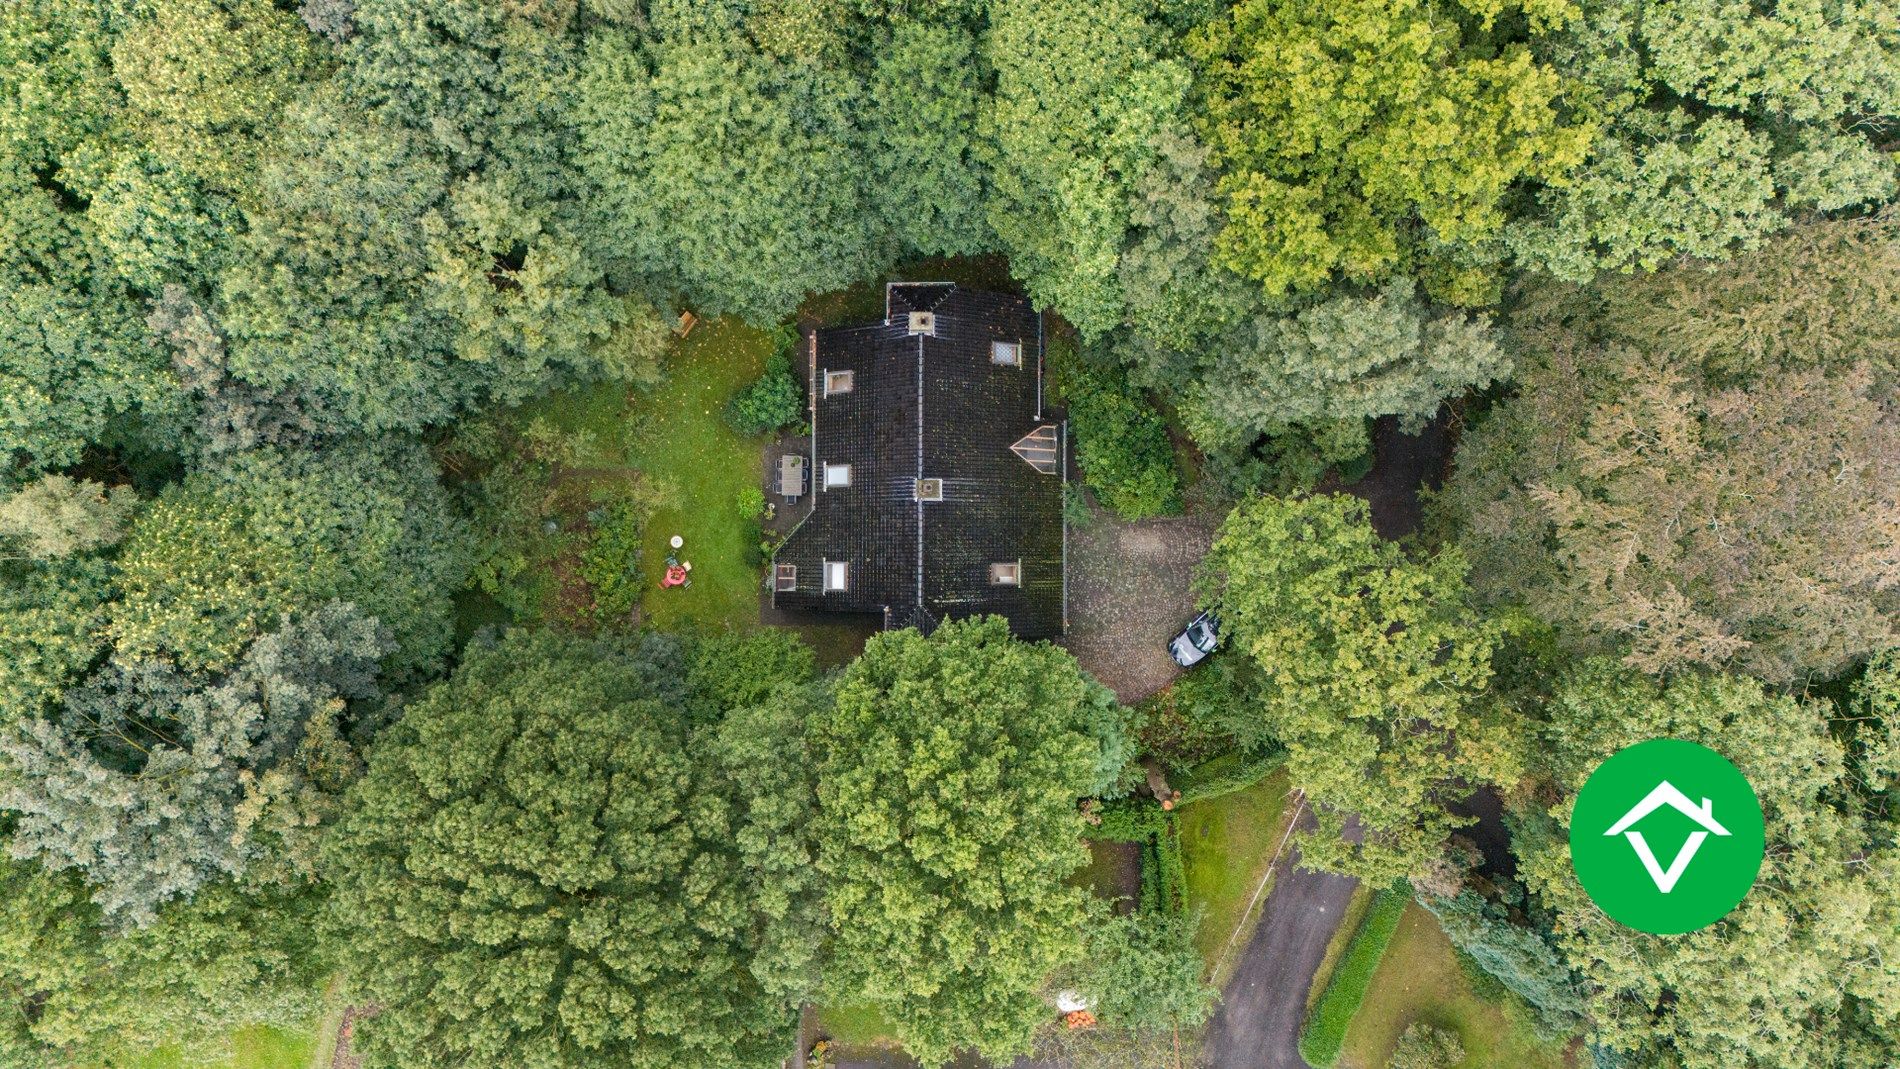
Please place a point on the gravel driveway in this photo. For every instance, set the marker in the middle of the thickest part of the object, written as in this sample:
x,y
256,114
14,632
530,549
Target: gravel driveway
x,y
1129,594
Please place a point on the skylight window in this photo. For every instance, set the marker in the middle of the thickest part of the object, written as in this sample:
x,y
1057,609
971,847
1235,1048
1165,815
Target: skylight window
x,y
787,578
838,382
837,576
1007,574
837,475
1006,352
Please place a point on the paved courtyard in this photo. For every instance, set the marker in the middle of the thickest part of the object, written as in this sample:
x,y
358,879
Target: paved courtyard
x,y
1129,593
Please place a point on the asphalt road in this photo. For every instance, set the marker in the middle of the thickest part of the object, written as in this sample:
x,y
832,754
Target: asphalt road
x,y
1258,1023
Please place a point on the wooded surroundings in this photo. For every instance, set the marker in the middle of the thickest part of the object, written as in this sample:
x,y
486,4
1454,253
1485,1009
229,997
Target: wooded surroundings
x,y
346,420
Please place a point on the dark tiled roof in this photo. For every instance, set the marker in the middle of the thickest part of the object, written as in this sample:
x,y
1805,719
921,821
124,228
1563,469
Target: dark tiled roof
x,y
932,406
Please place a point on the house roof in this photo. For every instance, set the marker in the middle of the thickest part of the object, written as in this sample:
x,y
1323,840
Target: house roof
x,y
933,405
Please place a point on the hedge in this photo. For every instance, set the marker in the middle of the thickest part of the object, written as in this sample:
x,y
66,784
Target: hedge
x,y
1325,1031
1163,872
1226,774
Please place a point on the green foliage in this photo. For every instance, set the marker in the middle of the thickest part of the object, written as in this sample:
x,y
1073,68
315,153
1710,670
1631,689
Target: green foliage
x,y
1519,958
1874,709
1226,774
1081,96
74,994
153,784
535,833
610,562
1142,972
1800,974
51,617
1325,1030
722,173
775,399
924,95
220,556
1704,482
1344,360
1425,1046
743,670
1368,664
1121,441
1704,142
948,773
1376,138
58,517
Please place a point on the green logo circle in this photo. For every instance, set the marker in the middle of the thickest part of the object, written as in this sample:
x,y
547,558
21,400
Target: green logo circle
x,y
1666,836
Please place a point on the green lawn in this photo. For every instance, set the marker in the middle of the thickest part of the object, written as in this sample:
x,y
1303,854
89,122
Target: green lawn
x,y
682,438
1343,932
1420,979
854,1026
1226,845
251,1048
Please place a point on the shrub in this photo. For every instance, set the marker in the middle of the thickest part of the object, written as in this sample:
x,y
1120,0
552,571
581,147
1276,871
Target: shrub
x,y
1226,774
610,562
1121,441
1325,1031
774,399
1426,1047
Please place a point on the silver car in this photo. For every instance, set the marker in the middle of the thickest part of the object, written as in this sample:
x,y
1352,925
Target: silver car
x,y
1200,638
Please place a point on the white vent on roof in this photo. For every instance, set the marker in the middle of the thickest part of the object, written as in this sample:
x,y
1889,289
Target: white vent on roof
x,y
923,323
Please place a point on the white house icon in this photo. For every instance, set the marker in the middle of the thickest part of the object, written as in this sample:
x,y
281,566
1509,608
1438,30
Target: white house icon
x,y
1667,794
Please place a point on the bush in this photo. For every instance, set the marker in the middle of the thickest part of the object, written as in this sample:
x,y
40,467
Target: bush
x,y
1163,873
1226,774
1325,1031
774,400
1121,441
1426,1047
610,561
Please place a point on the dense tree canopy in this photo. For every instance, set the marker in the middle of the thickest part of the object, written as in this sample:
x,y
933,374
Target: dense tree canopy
x,y
530,873
1368,666
1713,487
949,769
1802,973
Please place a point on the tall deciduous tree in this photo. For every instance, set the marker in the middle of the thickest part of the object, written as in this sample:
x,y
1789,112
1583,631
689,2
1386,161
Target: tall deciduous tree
x,y
1802,973
1082,94
531,873
58,516
949,769
218,557
1369,667
1377,137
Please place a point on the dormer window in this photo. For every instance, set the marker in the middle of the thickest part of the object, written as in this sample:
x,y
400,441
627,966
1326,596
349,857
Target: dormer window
x,y
837,475
1006,573
838,382
837,576
1009,353
930,489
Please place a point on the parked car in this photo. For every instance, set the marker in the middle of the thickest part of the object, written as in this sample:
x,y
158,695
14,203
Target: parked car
x,y
1198,639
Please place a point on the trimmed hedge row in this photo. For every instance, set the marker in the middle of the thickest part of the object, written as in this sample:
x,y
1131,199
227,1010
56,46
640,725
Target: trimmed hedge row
x,y
1325,1031
1226,774
1163,872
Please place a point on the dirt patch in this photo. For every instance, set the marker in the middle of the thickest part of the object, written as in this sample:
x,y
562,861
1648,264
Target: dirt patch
x,y
343,1057
1130,591
1406,464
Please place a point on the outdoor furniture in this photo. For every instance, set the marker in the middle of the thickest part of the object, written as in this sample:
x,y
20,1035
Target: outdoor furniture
x,y
791,476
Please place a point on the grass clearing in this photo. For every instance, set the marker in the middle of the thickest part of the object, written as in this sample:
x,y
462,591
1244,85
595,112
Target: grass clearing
x,y
1420,979
1226,845
855,1026
259,1047
682,438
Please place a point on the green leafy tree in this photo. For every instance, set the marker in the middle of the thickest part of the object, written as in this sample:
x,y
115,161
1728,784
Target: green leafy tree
x,y
1707,490
1374,138
1802,973
58,516
74,993
1369,665
771,401
724,174
530,873
1081,96
1121,441
1717,122
51,617
219,557
1348,358
152,783
924,95
949,769
1143,972
1521,958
